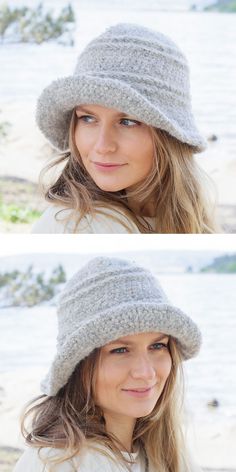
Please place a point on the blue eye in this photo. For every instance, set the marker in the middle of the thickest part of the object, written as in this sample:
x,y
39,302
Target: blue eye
x,y
133,122
160,346
118,350
83,118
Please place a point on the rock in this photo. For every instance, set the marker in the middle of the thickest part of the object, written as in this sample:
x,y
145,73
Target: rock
x,y
214,403
212,138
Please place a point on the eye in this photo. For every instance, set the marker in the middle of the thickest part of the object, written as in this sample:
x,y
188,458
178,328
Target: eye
x,y
133,122
118,350
85,118
159,346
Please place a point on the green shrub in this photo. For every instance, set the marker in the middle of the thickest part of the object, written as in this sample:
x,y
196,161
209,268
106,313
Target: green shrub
x,y
15,214
224,6
28,288
8,277
4,128
58,275
33,25
223,264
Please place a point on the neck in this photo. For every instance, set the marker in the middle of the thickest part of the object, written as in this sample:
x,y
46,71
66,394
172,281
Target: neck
x,y
122,428
147,209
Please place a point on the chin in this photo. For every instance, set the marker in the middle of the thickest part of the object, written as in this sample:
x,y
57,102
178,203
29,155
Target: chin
x,y
141,412
106,187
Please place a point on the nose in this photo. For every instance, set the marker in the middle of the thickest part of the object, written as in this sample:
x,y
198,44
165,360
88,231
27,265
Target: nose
x,y
143,368
105,141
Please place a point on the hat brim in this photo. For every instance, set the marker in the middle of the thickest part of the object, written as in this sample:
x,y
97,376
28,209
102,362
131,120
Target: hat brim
x,y
127,319
56,102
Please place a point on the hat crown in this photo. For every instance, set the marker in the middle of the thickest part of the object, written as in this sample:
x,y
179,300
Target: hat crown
x,y
102,285
145,59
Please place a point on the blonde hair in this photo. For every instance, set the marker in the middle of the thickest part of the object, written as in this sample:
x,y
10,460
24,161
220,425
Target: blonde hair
x,y
175,187
71,420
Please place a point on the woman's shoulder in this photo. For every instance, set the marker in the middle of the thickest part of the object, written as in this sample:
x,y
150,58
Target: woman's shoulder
x,y
37,460
111,220
90,459
34,460
57,219
54,220
29,461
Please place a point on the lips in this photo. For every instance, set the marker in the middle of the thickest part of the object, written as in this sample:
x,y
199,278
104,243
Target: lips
x,y
138,389
139,392
108,164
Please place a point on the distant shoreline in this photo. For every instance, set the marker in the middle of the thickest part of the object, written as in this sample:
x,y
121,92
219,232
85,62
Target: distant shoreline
x,y
222,7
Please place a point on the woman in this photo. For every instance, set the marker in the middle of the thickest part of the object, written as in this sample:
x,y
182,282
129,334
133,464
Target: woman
x,y
124,125
112,398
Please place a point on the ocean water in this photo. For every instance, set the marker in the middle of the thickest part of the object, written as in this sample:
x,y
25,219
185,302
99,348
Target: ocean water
x,y
28,336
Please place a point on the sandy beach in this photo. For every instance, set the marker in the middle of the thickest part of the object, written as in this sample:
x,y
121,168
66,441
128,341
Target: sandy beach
x,y
25,151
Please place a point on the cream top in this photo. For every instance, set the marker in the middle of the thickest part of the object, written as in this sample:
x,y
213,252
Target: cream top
x,y
88,461
51,221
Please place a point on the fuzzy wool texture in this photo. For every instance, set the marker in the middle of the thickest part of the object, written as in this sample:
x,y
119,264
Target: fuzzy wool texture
x,y
133,69
106,299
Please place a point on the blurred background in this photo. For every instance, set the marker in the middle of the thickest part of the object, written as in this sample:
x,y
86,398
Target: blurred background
x,y
198,276
41,41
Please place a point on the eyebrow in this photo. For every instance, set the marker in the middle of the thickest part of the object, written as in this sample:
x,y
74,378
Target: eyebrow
x,y
127,343
86,110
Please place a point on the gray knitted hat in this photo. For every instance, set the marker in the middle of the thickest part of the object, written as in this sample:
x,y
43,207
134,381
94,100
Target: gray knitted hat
x,y
106,299
133,69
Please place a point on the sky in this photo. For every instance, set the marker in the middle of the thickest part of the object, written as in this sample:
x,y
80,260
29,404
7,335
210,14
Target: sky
x,y
14,244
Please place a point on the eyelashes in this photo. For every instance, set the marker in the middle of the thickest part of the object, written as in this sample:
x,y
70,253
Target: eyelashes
x,y
132,121
82,118
120,350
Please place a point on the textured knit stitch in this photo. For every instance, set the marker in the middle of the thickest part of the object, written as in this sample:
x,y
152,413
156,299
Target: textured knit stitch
x,y
133,69
106,299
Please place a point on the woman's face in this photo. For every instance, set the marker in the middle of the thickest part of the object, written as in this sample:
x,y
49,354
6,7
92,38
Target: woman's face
x,y
132,373
116,150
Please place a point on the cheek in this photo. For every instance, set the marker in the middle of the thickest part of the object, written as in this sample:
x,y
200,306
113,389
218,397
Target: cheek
x,y
143,150
108,378
82,141
164,367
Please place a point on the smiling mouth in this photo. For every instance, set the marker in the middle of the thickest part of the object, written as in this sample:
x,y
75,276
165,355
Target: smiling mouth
x,y
108,164
138,389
